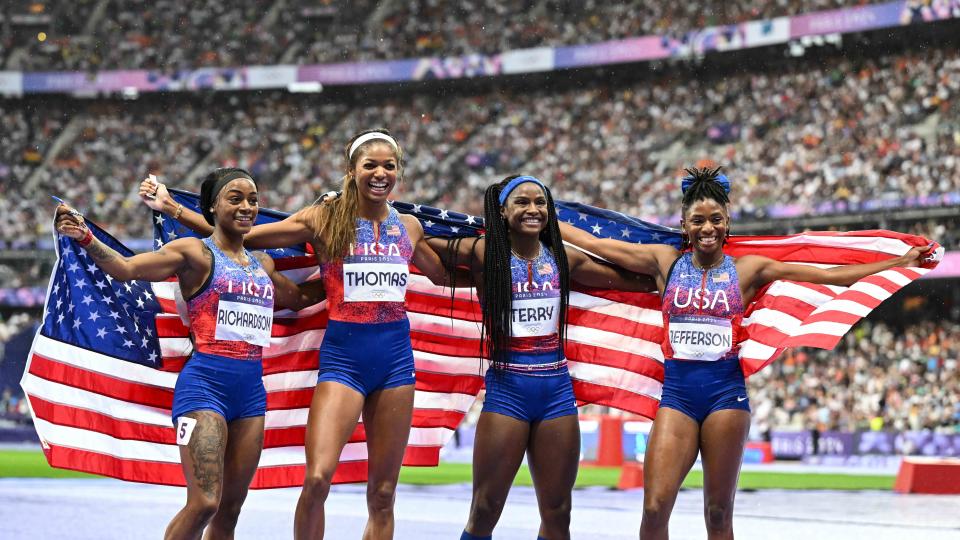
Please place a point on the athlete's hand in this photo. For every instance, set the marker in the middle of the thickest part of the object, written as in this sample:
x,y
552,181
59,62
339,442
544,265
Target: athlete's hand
x,y
328,197
69,222
154,194
917,255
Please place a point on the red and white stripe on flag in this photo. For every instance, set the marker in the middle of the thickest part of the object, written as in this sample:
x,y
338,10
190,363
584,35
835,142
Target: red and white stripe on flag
x,y
99,414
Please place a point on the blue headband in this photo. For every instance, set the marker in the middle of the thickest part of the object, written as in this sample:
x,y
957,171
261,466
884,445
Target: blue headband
x,y
720,179
512,185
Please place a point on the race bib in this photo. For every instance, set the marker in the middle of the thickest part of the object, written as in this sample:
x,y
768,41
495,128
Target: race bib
x,y
375,282
244,318
697,337
535,317
185,426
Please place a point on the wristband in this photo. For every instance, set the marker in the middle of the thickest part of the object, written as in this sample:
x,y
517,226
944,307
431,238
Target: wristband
x,y
86,239
176,215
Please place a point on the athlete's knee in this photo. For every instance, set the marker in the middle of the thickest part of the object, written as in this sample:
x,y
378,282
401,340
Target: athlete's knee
x,y
557,512
486,508
656,512
204,507
718,515
380,497
316,486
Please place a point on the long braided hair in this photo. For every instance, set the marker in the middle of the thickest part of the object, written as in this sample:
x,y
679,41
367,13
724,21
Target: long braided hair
x,y
704,185
336,222
497,281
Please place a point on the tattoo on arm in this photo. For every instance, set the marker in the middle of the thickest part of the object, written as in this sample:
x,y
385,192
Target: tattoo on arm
x,y
101,252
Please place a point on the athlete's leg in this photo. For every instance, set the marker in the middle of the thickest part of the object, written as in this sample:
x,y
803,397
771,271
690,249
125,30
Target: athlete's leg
x,y
554,456
672,450
386,419
722,438
498,449
334,411
245,443
202,461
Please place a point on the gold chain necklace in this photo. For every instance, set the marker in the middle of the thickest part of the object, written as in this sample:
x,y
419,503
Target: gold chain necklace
x,y
707,268
521,257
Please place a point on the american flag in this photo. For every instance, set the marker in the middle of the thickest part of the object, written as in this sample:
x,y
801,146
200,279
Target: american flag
x,y
101,393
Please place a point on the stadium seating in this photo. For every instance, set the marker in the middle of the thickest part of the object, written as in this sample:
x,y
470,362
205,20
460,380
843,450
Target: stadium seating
x,y
167,35
813,135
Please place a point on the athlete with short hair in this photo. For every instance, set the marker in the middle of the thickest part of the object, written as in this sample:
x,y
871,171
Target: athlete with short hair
x,y
704,407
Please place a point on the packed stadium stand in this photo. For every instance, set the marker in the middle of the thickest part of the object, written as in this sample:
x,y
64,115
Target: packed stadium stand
x,y
860,133
818,137
142,34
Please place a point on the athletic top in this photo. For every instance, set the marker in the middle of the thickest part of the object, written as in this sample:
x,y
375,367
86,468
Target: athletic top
x,y
702,311
370,285
232,313
535,309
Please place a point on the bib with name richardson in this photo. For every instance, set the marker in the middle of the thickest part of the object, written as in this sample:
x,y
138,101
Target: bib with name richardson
x,y
535,309
370,283
702,311
232,313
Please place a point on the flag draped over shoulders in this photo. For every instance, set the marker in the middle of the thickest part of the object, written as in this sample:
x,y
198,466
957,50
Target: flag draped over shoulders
x,y
104,362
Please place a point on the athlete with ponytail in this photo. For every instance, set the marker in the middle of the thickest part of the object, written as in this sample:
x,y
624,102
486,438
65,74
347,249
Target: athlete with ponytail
x,y
704,407
219,401
363,247
522,272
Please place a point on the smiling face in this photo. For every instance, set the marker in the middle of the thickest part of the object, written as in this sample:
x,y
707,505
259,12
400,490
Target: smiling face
x,y
526,209
375,171
706,223
236,206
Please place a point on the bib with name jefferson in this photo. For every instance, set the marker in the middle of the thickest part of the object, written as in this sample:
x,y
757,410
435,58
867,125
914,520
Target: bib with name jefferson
x,y
702,311
370,283
232,313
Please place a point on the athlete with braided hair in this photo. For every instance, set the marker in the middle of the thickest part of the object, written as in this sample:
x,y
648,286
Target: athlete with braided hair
x,y
522,271
704,407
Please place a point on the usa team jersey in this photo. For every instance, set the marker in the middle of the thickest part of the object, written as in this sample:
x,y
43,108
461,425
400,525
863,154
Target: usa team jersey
x,y
702,311
370,284
232,313
535,310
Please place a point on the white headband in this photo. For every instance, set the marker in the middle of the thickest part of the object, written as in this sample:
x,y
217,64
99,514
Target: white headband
x,y
369,137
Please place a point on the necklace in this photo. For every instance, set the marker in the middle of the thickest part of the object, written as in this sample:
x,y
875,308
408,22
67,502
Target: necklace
x,y
535,257
706,268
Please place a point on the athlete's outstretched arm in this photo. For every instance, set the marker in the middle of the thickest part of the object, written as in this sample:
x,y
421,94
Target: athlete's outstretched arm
x,y
427,256
650,259
287,293
467,257
587,271
760,270
155,195
295,229
158,265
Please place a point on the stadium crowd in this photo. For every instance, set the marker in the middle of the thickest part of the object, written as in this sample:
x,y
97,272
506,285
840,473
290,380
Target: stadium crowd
x,y
813,138
877,378
13,406
169,35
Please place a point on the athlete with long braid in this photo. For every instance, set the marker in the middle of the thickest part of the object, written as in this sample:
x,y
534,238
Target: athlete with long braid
x,y
704,407
522,271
